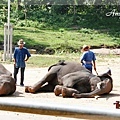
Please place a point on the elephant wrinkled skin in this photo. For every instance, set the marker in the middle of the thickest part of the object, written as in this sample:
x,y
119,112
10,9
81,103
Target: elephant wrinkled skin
x,y
7,83
70,79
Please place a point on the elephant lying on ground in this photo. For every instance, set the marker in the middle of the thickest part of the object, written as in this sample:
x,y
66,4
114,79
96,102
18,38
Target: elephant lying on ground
x,y
72,80
7,83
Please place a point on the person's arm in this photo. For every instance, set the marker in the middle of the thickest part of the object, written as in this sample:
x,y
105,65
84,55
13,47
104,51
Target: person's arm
x,y
14,56
94,65
28,55
82,62
82,58
26,58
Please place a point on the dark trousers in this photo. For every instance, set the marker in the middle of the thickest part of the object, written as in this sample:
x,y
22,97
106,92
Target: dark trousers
x,y
90,69
22,74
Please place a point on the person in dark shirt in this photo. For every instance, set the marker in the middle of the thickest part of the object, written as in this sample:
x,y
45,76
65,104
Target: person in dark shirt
x,y
21,55
88,58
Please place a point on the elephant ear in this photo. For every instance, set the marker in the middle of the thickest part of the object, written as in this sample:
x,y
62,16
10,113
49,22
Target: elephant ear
x,y
107,73
60,62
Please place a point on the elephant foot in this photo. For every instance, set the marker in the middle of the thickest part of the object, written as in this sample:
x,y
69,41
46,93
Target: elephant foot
x,y
26,89
29,89
5,88
57,90
68,92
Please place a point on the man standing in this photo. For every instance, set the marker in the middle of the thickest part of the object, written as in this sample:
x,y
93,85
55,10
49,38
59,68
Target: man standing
x,y
21,54
88,58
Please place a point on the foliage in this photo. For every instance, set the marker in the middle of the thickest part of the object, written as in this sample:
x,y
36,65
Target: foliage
x,y
62,41
62,28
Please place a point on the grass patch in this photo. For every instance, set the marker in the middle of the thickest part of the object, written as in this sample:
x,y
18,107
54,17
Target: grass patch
x,y
38,60
48,60
71,38
62,40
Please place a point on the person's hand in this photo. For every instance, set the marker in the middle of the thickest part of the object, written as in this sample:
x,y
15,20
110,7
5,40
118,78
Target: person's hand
x,y
14,61
26,58
95,68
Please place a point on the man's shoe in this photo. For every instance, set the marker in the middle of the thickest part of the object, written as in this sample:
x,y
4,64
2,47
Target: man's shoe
x,y
21,84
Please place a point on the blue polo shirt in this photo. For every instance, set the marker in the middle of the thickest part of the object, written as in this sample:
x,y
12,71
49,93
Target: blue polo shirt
x,y
87,58
20,55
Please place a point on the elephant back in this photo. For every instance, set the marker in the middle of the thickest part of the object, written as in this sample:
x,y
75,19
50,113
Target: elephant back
x,y
60,62
3,70
71,67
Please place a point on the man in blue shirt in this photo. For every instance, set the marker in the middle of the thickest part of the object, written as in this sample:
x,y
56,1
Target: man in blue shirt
x,y
88,58
21,54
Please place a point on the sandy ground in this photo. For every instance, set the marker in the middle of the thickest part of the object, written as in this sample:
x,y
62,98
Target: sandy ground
x,y
32,75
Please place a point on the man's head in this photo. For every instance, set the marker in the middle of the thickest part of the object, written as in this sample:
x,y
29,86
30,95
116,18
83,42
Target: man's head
x,y
85,48
21,43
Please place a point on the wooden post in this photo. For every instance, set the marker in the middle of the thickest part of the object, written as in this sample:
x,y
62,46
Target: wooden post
x,y
8,42
11,30
5,41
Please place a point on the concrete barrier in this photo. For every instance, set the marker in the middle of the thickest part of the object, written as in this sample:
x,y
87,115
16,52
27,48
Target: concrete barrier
x,y
27,106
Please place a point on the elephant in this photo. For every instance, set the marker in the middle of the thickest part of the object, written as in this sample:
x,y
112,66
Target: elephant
x,y
7,82
71,79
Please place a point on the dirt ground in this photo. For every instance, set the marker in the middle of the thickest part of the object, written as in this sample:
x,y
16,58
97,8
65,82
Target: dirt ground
x,y
32,75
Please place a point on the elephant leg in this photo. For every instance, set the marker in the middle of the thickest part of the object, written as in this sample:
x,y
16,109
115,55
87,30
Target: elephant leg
x,y
36,87
45,88
58,90
67,92
5,89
